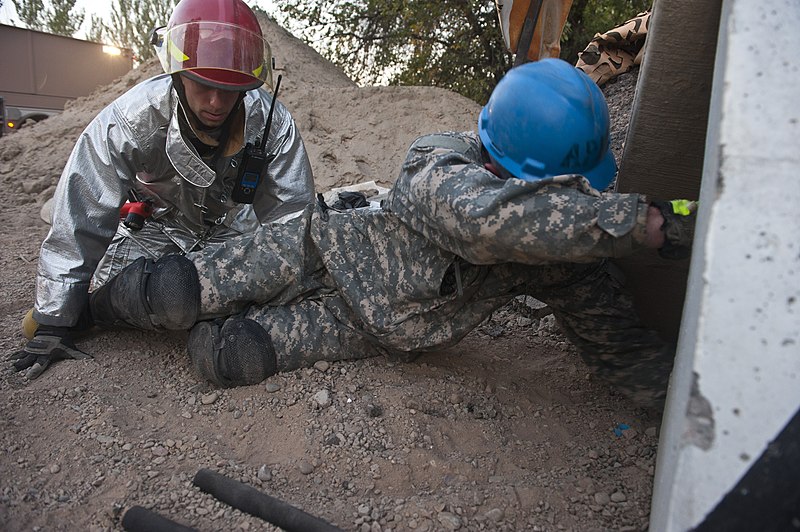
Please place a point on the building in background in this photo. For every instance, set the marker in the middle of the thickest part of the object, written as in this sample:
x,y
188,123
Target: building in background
x,y
40,72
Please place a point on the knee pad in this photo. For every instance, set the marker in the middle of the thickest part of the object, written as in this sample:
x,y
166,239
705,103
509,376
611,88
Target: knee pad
x,y
238,352
151,295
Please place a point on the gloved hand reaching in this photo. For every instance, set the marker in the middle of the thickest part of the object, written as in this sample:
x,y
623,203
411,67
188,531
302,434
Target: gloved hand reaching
x,y
678,227
50,344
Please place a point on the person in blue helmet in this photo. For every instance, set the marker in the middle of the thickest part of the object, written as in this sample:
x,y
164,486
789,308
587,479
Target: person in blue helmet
x,y
473,220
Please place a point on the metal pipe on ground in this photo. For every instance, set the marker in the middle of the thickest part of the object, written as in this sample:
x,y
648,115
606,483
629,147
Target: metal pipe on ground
x,y
139,519
254,502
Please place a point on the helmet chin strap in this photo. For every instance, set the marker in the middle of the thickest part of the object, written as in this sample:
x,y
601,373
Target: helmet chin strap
x,y
220,133
193,120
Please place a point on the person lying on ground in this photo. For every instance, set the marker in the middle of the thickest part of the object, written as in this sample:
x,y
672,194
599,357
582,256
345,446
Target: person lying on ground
x,y
472,221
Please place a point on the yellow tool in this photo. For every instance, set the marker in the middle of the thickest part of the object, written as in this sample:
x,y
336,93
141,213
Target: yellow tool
x,y
29,325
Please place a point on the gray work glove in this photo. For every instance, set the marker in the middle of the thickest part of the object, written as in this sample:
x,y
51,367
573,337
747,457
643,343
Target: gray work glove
x,y
49,345
678,227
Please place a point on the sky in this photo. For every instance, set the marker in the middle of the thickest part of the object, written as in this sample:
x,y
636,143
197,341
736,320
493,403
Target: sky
x,y
101,8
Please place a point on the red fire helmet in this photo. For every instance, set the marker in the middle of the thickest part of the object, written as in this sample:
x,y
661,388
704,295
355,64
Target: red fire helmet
x,y
216,42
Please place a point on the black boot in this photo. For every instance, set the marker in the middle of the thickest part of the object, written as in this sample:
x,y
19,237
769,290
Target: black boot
x,y
236,352
150,295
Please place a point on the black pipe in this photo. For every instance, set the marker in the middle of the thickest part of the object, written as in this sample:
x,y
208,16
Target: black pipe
x,y
251,501
139,519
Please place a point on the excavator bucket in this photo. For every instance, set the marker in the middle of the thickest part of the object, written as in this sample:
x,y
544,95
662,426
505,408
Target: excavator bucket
x,y
549,17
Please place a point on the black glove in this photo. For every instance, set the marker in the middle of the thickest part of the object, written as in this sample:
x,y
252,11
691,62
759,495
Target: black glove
x,y
350,200
678,227
48,345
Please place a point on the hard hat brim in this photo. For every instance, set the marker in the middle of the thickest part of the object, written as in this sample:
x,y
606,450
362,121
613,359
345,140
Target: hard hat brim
x,y
601,176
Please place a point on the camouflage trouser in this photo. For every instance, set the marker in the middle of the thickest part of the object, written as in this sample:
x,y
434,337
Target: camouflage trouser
x,y
588,301
597,315
149,242
276,278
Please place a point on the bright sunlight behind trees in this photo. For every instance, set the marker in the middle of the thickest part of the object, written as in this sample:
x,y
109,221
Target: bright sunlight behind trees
x,y
132,22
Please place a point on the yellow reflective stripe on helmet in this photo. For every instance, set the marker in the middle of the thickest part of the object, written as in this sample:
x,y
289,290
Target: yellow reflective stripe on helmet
x,y
176,53
682,206
257,72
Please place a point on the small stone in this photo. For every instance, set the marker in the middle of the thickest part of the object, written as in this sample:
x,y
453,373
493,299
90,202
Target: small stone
x,y
373,410
186,415
305,467
618,496
449,521
209,398
322,365
495,514
630,434
273,387
601,498
651,432
55,468
264,474
160,450
322,398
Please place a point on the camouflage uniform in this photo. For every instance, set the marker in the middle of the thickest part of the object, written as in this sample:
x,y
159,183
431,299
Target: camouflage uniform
x,y
451,244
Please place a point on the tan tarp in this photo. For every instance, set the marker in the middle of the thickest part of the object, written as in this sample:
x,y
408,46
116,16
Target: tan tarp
x,y
616,51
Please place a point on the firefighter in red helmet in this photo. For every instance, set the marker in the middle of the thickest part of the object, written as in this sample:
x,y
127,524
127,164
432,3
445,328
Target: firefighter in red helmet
x,y
217,43
191,158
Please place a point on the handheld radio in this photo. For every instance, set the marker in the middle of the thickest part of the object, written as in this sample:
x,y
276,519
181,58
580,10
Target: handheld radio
x,y
254,161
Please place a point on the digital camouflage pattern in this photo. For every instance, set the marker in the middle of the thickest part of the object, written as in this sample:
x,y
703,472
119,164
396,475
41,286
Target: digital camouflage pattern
x,y
451,244
616,51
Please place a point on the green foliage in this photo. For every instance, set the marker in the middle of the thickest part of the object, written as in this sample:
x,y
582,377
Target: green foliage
x,y
132,22
31,13
62,19
454,44
96,30
59,17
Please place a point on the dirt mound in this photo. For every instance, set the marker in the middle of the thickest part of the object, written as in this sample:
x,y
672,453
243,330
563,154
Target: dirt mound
x,y
352,134
505,431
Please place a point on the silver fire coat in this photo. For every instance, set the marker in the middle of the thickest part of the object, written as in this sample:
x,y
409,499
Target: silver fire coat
x,y
137,143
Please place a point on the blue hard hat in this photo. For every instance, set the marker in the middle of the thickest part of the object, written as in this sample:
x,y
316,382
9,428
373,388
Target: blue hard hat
x,y
548,118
